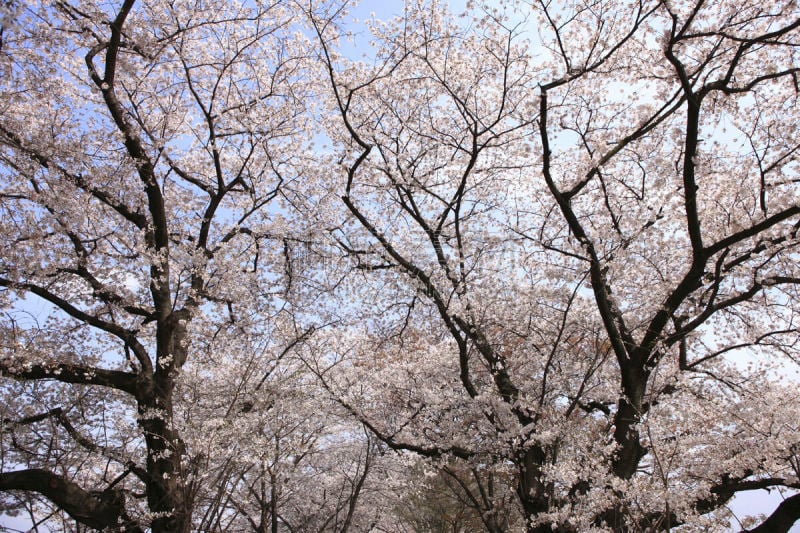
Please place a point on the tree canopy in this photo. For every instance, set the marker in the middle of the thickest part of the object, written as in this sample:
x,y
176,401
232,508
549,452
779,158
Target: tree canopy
x,y
530,267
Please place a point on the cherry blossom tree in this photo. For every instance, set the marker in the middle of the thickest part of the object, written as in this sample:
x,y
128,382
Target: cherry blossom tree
x,y
572,241
547,261
150,154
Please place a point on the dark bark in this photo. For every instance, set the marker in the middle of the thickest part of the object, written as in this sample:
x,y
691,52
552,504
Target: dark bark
x,y
69,373
532,493
782,519
96,510
166,492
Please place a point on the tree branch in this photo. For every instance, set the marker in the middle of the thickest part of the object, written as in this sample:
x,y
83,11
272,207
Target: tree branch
x,y
96,510
782,519
69,373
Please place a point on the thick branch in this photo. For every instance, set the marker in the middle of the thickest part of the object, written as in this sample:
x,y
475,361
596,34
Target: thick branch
x,y
96,510
784,517
68,373
125,335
